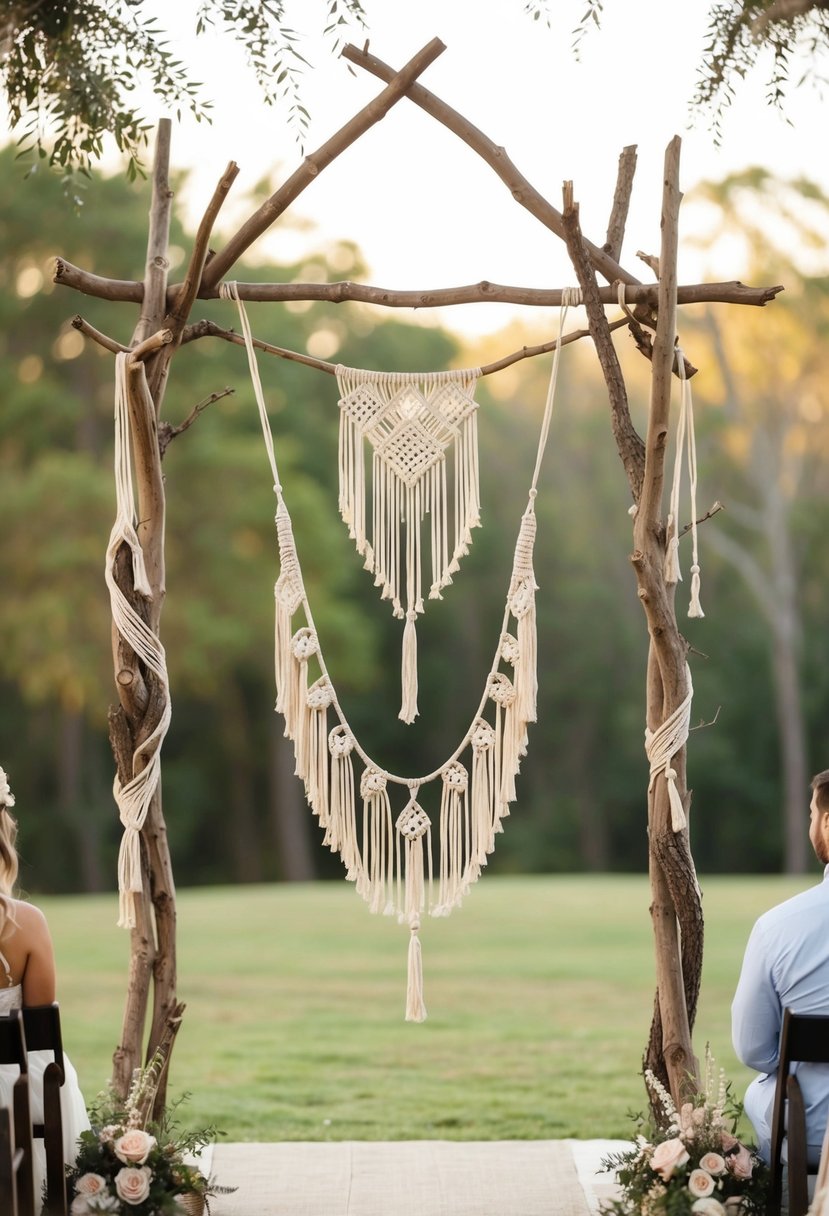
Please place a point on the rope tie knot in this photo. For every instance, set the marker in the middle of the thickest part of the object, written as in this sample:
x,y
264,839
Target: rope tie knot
x,y
662,745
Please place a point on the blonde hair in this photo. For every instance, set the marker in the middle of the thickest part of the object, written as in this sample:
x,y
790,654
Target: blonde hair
x,y
8,865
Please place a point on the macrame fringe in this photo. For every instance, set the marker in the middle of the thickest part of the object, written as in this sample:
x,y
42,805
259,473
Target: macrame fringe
x,y
409,421
408,708
413,826
685,433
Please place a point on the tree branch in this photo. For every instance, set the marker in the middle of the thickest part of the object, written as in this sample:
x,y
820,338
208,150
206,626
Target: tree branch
x,y
208,329
167,432
262,219
89,331
621,202
733,292
154,300
629,444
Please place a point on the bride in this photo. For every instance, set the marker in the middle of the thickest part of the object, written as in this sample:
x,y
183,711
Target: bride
x,y
27,977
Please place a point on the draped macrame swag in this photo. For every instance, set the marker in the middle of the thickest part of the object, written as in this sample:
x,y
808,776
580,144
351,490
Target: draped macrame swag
x,y
390,860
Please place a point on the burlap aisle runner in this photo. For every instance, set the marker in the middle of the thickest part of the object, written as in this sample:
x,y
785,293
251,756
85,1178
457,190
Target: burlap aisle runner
x,y
412,1178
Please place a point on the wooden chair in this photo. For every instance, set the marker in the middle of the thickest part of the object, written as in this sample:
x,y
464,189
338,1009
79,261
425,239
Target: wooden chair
x,y
41,1024
803,1038
19,1138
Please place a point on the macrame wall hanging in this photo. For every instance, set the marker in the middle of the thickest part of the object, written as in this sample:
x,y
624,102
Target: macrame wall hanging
x,y
409,422
391,857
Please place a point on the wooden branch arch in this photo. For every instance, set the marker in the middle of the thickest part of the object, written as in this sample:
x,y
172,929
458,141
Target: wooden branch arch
x,y
164,326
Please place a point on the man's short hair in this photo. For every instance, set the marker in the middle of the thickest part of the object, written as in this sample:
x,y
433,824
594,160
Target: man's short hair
x,y
820,786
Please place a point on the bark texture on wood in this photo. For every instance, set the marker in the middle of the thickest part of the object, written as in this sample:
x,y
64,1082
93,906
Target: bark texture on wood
x,y
675,902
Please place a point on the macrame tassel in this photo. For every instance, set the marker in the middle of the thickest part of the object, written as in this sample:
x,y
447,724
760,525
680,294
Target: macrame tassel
x,y
678,819
375,882
695,608
415,1006
454,839
483,797
507,749
303,645
320,695
413,825
341,836
408,708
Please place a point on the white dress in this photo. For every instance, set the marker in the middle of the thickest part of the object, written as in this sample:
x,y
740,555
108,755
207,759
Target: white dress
x,y
72,1105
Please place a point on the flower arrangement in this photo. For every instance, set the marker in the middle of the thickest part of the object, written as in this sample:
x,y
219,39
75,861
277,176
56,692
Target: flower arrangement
x,y
694,1163
128,1165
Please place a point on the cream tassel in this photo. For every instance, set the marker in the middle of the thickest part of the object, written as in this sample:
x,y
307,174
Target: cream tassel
x,y
415,1006
454,839
341,836
408,708
413,825
483,795
376,880
320,696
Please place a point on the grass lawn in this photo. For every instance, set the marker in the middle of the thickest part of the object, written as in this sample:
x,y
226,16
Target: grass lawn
x,y
539,993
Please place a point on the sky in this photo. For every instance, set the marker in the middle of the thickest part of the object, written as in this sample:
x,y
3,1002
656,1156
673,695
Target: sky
x,y
423,208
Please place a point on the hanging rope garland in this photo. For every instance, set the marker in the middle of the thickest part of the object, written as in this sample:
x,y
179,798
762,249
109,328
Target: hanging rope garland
x,y
409,421
133,797
391,861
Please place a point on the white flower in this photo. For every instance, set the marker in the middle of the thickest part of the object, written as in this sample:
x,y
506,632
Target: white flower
x,y
103,1204
133,1185
700,1183
708,1206
79,1206
713,1164
6,796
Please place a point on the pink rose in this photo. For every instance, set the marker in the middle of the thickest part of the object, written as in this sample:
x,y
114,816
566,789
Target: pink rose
x,y
740,1163
667,1157
133,1185
713,1164
708,1207
133,1148
700,1184
729,1142
90,1184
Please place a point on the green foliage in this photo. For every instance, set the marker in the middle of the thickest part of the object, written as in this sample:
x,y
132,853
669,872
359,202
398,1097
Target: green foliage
x,y
69,70
740,31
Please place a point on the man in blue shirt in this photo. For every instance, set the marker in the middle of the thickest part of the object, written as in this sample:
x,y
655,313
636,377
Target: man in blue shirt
x,y
786,965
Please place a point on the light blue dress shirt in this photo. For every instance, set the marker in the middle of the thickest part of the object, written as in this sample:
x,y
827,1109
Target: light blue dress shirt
x,y
786,965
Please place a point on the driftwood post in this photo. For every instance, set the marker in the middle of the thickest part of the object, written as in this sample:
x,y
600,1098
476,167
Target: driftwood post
x,y
676,907
164,328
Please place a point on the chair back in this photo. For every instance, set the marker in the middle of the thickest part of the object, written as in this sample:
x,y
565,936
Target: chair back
x,y
804,1038
42,1030
19,1137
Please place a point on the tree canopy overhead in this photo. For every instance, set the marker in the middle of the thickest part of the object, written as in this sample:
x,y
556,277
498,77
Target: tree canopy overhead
x,y
69,68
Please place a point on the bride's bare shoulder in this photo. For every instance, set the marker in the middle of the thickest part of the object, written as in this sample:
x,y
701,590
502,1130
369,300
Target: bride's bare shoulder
x,y
28,918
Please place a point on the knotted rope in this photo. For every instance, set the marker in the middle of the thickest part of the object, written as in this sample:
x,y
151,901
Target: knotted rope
x,y
662,745
134,797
